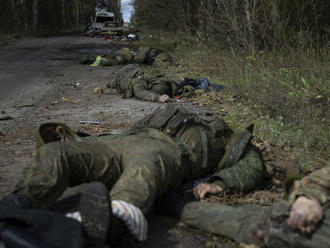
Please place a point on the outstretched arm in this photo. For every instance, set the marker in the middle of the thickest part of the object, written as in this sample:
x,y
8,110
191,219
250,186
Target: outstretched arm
x,y
242,176
307,198
315,186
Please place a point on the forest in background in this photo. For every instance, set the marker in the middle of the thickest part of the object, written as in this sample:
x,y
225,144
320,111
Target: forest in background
x,y
249,23
35,16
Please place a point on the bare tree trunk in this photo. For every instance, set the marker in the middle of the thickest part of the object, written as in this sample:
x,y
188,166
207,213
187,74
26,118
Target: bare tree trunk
x,y
13,7
77,8
35,15
63,13
25,14
275,22
249,24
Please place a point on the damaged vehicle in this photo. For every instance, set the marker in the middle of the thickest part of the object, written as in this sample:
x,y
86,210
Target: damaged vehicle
x,y
104,21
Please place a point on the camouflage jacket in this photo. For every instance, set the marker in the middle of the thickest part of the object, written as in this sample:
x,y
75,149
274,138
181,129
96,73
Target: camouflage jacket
x,y
315,186
211,148
132,81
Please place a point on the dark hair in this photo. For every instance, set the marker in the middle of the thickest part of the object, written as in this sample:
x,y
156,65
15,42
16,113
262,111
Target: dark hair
x,y
162,89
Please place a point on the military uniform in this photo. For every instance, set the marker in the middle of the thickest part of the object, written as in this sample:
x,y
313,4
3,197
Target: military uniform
x,y
132,81
239,223
144,55
165,149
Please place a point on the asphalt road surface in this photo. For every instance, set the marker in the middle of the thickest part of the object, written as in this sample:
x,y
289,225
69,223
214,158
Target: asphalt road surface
x,y
26,63
30,62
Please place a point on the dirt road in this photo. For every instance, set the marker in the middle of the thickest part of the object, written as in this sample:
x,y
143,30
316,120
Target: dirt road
x,y
40,81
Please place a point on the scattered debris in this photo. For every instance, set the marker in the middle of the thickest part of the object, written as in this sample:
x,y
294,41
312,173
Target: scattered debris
x,y
26,106
98,91
132,37
6,118
202,84
90,122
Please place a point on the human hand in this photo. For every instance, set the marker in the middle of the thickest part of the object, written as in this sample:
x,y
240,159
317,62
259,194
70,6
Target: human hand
x,y
164,98
305,215
202,189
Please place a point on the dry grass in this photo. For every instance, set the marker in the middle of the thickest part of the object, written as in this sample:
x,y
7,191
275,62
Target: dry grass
x,y
285,93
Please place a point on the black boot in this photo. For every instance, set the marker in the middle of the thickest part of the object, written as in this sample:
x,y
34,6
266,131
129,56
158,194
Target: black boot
x,y
95,209
16,201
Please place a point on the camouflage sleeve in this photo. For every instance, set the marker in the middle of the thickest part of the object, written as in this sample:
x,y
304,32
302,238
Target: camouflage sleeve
x,y
141,92
244,175
315,186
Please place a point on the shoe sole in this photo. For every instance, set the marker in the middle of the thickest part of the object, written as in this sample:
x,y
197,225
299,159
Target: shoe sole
x,y
95,208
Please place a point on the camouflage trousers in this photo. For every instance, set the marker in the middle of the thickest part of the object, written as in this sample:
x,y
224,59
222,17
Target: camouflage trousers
x,y
137,174
238,223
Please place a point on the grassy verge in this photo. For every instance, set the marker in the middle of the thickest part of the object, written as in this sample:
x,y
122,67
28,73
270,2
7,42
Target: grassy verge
x,y
285,93
7,37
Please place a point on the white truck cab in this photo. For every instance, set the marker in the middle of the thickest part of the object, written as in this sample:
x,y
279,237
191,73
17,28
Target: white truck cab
x,y
104,21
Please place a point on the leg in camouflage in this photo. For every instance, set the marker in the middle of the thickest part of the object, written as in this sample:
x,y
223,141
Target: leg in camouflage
x,y
58,166
232,222
252,224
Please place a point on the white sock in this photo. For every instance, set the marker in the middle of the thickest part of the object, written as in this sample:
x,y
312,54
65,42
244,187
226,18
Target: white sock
x,y
75,215
132,217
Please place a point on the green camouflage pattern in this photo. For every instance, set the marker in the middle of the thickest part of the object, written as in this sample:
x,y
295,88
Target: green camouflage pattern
x,y
315,186
235,147
132,81
86,60
163,59
142,164
240,223
244,175
136,168
145,55
235,223
126,52
142,54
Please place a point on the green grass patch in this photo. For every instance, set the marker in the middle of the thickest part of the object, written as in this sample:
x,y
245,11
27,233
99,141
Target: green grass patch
x,y
7,37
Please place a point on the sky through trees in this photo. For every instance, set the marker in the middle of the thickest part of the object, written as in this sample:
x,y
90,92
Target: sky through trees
x,y
127,9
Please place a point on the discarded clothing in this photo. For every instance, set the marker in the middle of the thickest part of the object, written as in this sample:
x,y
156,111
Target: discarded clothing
x,y
24,227
202,83
98,61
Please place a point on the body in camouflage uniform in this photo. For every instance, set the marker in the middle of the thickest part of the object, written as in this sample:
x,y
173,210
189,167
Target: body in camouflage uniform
x,y
150,85
144,55
239,223
162,151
